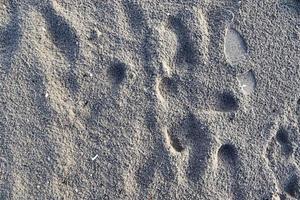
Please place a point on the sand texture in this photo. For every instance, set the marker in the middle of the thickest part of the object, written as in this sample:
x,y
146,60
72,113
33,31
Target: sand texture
x,y
149,99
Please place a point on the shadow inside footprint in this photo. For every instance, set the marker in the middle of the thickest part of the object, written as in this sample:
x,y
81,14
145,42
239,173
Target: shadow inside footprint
x,y
227,102
200,140
117,72
292,187
230,170
9,36
135,15
291,5
283,139
187,50
228,154
63,35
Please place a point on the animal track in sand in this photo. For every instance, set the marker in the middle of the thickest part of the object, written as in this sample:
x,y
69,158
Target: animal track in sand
x,y
63,35
235,48
228,154
283,139
282,160
190,27
227,102
156,159
187,49
197,136
174,141
201,140
229,169
117,72
292,186
65,39
135,15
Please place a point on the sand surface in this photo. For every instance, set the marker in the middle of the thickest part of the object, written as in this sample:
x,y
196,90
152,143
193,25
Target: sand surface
x,y
150,99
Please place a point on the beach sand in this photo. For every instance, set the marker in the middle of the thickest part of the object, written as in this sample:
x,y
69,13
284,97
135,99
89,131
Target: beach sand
x,y
150,99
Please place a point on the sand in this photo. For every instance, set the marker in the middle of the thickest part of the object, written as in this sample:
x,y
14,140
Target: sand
x,y
149,99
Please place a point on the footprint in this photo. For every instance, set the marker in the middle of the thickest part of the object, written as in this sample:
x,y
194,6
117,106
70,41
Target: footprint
x,y
201,140
156,169
292,187
228,154
166,47
227,102
65,39
283,138
63,35
280,153
247,82
187,49
229,170
192,134
191,30
117,72
235,48
135,16
157,166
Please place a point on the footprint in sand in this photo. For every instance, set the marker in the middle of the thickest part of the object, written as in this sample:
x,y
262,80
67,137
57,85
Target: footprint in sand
x,y
235,48
192,37
282,153
229,169
186,39
191,133
117,73
64,37
227,102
